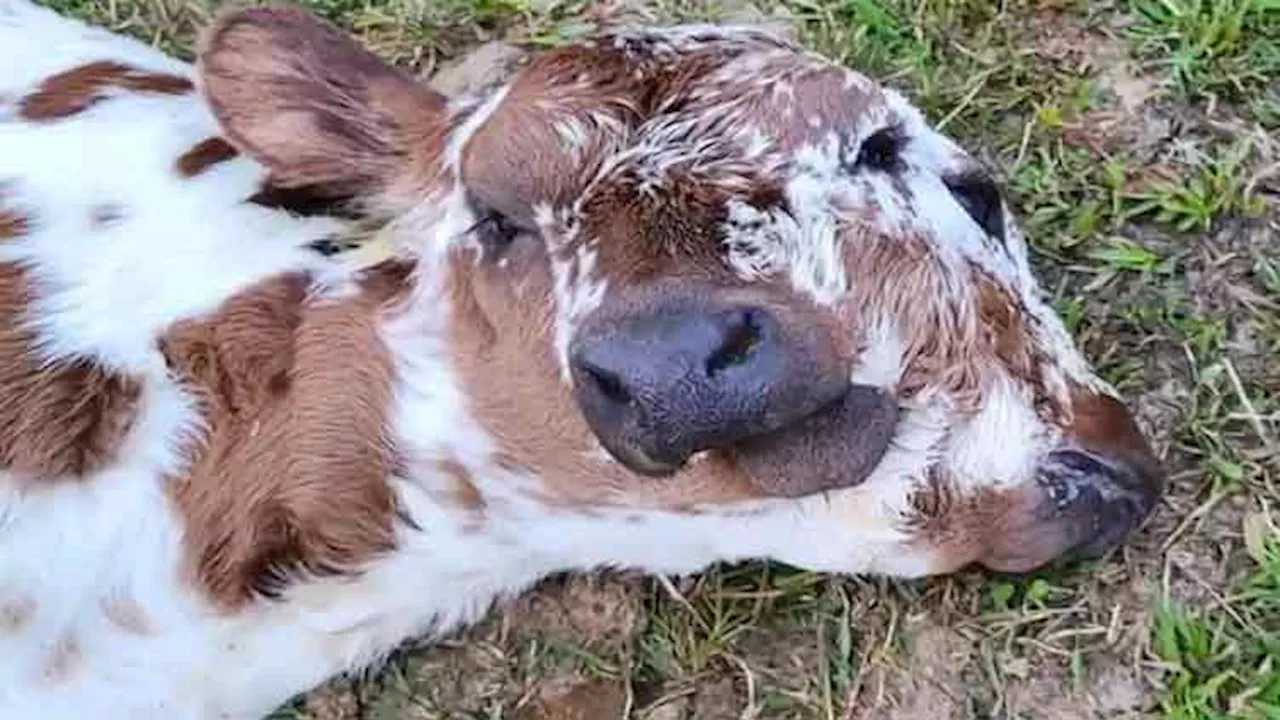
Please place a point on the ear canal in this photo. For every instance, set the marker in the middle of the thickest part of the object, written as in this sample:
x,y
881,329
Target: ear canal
x,y
305,99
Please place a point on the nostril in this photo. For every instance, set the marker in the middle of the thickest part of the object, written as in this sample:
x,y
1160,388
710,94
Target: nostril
x,y
1082,464
607,382
742,335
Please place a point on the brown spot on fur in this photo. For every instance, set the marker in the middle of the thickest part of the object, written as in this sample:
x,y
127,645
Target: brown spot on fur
x,y
204,155
306,100
548,92
75,90
1002,319
671,231
127,615
945,347
1002,322
570,108
15,614
13,225
68,418
292,474
997,527
1100,420
465,492
938,344
63,660
1103,425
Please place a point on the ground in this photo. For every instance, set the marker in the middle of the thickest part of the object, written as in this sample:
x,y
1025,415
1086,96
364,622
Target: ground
x,y
1141,143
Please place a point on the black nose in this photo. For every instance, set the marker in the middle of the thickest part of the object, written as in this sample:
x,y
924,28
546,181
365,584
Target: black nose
x,y
657,387
1110,495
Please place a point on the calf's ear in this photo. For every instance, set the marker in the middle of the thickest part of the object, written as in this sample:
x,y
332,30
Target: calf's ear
x,y
305,99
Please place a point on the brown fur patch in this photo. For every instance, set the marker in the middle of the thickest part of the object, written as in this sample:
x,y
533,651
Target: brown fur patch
x,y
946,345
522,155
1001,319
303,98
292,475
518,159
1102,423
63,660
13,225
940,348
204,155
68,418
127,615
465,492
1007,337
16,614
994,526
78,89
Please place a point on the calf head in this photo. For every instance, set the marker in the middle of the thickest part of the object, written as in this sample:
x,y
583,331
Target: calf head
x,y
697,270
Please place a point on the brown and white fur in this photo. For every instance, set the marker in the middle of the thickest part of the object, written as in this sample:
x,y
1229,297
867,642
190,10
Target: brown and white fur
x,y
233,465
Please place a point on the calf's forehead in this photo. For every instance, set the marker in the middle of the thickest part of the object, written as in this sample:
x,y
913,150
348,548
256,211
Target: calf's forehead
x,y
630,97
738,106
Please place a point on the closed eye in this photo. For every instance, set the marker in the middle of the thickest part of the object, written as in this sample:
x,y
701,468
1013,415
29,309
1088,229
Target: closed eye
x,y
978,195
495,231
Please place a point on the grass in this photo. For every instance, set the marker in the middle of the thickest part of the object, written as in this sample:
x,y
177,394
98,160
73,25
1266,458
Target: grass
x,y
1210,46
1138,141
1227,660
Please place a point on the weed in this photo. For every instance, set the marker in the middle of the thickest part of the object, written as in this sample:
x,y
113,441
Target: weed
x,y
1211,46
1225,664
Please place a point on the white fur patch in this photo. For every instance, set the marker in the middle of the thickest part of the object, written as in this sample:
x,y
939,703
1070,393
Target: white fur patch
x,y
576,286
111,246
461,135
880,364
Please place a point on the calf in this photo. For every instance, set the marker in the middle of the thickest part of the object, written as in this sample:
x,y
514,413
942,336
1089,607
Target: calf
x,y
663,298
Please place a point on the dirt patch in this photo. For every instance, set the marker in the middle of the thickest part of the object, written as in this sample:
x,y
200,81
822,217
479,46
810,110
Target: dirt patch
x,y
926,680
336,701
480,68
673,708
718,699
599,613
1124,120
1117,692
599,700
542,656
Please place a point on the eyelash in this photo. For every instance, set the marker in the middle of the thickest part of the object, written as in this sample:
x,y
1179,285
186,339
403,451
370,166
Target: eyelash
x,y
495,232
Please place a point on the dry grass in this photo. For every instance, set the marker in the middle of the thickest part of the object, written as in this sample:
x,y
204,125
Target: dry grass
x,y
1140,141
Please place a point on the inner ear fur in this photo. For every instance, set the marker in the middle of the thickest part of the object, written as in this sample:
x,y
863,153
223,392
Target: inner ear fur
x,y
306,100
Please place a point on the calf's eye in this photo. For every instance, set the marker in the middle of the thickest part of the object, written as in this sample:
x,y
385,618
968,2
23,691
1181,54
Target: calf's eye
x,y
882,150
495,232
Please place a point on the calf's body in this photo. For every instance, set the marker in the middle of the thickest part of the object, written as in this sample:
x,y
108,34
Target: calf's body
x,y
233,465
